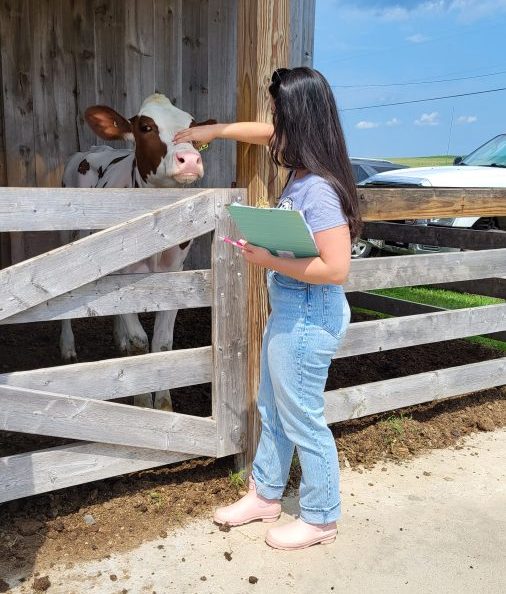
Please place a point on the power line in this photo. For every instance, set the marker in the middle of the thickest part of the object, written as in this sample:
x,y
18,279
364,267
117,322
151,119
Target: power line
x,y
420,82
423,100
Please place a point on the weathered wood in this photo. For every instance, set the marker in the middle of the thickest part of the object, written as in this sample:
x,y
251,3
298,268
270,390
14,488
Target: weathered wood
x,y
139,53
302,17
433,326
110,38
423,269
195,49
53,84
32,473
417,203
45,413
44,209
54,273
492,287
124,293
469,239
375,397
168,49
3,164
218,50
17,93
263,46
229,335
81,30
117,378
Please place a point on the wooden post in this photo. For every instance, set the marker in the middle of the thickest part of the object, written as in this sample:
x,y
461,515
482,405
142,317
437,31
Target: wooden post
x,y
263,42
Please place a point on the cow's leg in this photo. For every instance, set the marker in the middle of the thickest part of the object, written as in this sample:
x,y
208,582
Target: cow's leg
x,y
162,341
67,340
131,339
129,335
67,343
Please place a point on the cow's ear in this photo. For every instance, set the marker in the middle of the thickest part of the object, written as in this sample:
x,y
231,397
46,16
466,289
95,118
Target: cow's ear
x,y
200,146
107,123
206,123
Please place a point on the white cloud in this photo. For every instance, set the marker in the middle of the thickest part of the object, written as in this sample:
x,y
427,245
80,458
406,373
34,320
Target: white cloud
x,y
467,119
417,38
428,119
393,122
392,10
364,125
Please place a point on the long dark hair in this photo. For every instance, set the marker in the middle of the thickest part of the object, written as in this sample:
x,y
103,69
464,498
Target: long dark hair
x,y
308,134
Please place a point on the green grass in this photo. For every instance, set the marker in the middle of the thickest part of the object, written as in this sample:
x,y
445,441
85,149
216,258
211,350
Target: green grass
x,y
423,161
440,298
237,479
395,426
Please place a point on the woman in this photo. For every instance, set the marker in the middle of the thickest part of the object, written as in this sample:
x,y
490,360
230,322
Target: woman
x,y
309,311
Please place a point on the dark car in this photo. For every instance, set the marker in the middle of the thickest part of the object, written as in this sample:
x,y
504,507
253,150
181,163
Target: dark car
x,y
362,169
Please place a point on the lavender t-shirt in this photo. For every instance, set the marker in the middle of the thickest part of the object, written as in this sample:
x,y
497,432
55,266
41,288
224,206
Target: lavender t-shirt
x,y
316,199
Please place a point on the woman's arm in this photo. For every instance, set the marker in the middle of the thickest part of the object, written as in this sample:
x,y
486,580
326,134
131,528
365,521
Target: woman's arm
x,y
251,132
330,267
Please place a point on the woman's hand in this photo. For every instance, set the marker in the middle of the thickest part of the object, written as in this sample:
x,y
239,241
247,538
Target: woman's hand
x,y
257,255
202,134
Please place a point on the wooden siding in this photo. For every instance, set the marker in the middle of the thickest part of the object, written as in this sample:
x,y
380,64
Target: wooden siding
x,y
57,58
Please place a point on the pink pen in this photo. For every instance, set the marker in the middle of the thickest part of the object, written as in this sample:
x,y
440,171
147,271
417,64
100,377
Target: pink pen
x,y
238,244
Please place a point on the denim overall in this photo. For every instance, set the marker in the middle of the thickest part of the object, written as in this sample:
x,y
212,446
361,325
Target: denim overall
x,y
306,325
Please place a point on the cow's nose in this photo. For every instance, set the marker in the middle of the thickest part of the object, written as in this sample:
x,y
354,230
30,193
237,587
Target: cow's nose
x,y
188,159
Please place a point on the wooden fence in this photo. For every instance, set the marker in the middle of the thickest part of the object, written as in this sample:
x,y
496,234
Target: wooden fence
x,y
79,280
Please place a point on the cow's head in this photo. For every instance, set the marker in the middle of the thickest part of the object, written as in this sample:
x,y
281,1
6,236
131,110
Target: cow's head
x,y
160,162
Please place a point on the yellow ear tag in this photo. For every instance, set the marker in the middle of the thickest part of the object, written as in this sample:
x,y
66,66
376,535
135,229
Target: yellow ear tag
x,y
263,202
203,147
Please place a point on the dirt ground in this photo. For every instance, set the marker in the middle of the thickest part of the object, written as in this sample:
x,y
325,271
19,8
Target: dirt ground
x,y
91,521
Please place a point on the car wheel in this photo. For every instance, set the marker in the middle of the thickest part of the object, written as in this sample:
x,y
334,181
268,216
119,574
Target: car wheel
x,y
361,249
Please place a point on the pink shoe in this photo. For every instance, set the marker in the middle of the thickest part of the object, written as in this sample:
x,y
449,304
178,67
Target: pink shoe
x,y
250,507
299,535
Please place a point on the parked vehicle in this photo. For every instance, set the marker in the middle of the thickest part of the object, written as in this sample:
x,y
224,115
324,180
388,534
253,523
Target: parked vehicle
x,y
362,169
483,168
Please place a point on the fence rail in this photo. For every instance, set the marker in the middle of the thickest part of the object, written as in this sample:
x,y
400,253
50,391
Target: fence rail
x,y
79,280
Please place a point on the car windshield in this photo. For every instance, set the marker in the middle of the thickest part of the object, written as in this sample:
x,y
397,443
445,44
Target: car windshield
x,y
491,154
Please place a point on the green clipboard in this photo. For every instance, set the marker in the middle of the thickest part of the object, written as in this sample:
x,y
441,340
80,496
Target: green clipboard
x,y
283,232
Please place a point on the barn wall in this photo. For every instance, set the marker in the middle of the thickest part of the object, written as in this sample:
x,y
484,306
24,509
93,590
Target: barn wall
x,y
60,56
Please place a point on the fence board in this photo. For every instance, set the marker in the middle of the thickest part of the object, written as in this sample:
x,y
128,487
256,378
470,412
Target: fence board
x,y
424,203
391,394
117,378
53,209
393,333
423,269
45,413
125,293
470,239
229,336
33,281
32,473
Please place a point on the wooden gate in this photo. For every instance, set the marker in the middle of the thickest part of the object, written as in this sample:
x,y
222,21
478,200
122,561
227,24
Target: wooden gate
x,y
78,280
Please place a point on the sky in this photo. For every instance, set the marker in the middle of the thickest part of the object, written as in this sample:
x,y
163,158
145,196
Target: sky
x,y
382,42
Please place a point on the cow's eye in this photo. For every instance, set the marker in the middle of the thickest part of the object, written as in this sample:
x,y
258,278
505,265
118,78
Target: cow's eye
x,y
146,128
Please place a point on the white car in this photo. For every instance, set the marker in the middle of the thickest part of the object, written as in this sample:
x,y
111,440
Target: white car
x,y
483,168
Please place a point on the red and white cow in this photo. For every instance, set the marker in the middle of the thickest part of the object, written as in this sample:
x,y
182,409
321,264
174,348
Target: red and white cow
x,y
154,162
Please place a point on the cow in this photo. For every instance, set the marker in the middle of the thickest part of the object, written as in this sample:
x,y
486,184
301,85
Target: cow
x,y
154,162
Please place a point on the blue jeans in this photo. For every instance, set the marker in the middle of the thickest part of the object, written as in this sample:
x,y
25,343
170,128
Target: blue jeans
x,y
305,327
